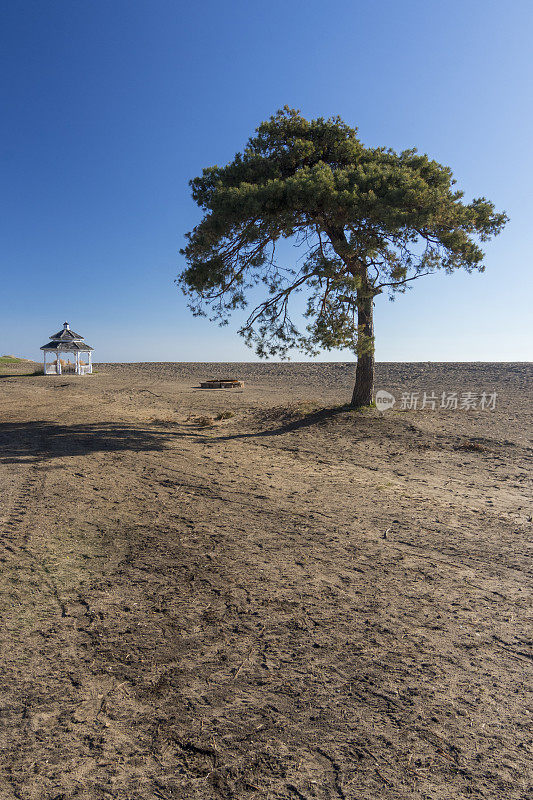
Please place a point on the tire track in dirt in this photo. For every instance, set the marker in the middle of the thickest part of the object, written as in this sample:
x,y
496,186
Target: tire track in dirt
x,y
46,616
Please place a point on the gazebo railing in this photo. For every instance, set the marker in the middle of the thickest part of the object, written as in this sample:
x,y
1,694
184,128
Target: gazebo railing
x,y
67,368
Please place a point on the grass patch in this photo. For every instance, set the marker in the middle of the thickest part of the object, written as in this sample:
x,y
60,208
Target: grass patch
x,y
473,447
363,409
224,415
163,421
9,360
205,422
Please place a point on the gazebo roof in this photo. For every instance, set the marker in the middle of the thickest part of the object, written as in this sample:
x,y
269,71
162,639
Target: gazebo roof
x,y
66,340
66,335
68,347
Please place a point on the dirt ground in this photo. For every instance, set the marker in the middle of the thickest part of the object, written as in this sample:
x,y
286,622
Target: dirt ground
x,y
281,603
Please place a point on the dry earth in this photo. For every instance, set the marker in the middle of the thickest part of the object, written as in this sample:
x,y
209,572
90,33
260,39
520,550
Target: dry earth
x,y
285,604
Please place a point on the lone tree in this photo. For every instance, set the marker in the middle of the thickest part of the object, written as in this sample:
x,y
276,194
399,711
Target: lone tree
x,y
366,220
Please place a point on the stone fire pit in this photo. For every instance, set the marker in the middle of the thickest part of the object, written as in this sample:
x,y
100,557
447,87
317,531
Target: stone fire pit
x,y
222,383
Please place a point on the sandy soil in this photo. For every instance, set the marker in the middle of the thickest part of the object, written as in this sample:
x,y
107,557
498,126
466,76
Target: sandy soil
x,y
283,604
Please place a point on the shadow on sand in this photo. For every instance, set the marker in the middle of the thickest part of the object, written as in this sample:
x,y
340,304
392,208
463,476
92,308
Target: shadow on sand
x,y
32,374
290,422
39,440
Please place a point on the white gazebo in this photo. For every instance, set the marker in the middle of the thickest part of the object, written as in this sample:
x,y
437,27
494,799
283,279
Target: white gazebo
x,y
65,343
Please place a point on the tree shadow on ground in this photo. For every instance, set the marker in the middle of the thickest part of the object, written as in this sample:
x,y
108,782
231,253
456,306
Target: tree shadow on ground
x,y
290,422
39,440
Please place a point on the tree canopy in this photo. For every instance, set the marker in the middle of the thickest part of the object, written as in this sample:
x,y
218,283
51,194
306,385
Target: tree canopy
x,y
366,221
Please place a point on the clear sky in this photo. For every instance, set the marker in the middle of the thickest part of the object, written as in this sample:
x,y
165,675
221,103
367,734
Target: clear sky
x,y
109,107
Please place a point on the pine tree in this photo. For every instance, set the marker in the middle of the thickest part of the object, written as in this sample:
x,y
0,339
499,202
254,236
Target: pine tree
x,y
367,221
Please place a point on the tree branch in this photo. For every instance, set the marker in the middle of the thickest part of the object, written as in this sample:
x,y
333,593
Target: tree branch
x,y
406,280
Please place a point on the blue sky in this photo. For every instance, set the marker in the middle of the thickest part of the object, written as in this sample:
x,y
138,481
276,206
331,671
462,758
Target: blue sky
x,y
110,107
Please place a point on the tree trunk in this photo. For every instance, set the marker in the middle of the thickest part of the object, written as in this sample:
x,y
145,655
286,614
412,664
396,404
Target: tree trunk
x,y
363,392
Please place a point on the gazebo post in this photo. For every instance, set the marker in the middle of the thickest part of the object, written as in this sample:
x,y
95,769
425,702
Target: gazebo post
x,y
44,362
90,370
58,363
